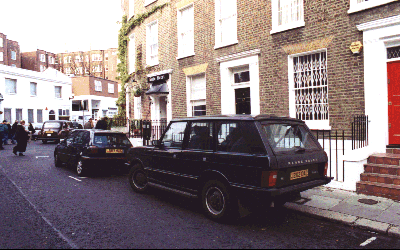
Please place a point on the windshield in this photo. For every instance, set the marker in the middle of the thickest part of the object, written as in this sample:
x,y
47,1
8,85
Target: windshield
x,y
52,125
289,138
107,140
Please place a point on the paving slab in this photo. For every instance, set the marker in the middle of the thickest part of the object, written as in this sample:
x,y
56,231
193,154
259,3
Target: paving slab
x,y
389,217
322,202
364,212
338,194
376,226
394,231
382,204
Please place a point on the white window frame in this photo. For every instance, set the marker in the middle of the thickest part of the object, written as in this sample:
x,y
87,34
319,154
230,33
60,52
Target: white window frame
x,y
87,58
192,100
13,55
137,103
185,28
16,85
1,56
1,42
96,57
51,60
312,124
42,57
290,25
132,54
98,86
111,87
359,5
149,60
148,2
67,71
55,92
30,90
219,31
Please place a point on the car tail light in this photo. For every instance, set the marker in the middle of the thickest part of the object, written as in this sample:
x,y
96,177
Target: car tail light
x,y
93,150
269,178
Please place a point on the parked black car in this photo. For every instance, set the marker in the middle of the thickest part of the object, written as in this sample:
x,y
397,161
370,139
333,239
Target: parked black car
x,y
88,150
222,159
50,131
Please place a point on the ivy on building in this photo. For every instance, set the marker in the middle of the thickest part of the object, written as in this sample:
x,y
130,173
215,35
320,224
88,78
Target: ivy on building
x,y
122,67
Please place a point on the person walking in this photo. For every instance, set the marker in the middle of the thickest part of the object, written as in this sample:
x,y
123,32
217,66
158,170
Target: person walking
x,y
102,124
9,131
13,130
22,137
32,131
3,130
89,124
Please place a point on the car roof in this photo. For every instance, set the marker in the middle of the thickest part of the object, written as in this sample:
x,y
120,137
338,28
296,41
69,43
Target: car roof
x,y
55,121
94,131
240,118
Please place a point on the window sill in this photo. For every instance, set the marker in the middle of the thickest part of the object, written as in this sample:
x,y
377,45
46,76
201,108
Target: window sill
x,y
185,56
152,64
287,27
367,5
222,45
318,125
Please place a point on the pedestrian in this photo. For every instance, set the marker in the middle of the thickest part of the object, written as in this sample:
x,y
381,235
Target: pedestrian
x,y
3,130
31,130
64,132
22,137
9,131
89,124
13,130
102,124
5,133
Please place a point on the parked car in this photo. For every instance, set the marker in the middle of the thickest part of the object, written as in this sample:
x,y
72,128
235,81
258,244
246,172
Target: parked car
x,y
38,128
89,150
222,159
50,131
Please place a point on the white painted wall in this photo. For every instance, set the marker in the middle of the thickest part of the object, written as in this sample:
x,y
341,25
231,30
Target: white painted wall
x,y
96,102
46,82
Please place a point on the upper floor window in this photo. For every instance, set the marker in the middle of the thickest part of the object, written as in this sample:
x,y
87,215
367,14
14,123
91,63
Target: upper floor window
x,y
225,23
1,42
152,44
111,88
67,71
359,5
58,91
51,60
97,86
186,31
1,56
87,58
33,89
96,57
132,54
78,59
11,86
67,59
13,55
79,71
42,57
287,14
97,68
106,57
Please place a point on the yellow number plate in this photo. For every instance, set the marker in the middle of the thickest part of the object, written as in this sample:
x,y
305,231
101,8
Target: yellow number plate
x,y
114,151
299,174
49,132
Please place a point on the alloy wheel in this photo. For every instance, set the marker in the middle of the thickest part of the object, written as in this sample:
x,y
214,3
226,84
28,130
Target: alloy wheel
x,y
215,200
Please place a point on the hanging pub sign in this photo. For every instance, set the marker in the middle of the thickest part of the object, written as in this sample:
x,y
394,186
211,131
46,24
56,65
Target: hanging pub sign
x,y
158,79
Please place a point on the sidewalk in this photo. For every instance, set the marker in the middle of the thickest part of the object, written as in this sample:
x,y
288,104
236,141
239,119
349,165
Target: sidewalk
x,y
377,214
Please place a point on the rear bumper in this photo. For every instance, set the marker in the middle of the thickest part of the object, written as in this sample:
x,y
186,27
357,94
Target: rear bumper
x,y
274,193
105,162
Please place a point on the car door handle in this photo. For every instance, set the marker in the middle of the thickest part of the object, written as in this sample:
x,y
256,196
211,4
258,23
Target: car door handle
x,y
174,156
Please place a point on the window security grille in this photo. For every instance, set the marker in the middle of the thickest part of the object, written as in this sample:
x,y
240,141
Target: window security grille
x,y
393,52
311,87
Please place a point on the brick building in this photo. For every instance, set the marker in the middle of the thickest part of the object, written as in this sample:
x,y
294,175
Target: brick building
x,y
38,60
282,57
10,53
98,63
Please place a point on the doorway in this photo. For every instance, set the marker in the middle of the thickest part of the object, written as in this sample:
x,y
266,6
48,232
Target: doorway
x,y
394,101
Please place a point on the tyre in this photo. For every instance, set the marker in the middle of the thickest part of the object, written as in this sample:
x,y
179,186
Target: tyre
x,y
80,169
57,161
138,179
218,203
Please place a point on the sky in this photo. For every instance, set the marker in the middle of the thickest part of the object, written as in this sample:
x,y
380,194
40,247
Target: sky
x,y
61,25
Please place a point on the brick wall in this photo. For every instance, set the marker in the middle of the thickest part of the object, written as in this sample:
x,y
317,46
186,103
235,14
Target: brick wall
x,y
9,46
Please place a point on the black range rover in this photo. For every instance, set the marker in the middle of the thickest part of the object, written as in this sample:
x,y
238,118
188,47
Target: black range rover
x,y
222,159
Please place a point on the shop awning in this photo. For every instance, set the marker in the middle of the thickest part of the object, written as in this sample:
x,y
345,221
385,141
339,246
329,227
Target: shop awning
x,y
158,89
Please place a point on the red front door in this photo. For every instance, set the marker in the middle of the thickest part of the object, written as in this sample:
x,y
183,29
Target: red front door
x,y
394,101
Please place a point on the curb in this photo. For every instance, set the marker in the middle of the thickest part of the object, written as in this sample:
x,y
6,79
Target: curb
x,y
350,220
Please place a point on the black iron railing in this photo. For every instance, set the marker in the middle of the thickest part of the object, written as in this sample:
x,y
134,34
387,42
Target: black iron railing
x,y
359,132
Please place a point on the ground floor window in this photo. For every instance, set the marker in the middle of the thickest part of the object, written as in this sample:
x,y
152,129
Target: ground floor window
x,y
40,116
310,85
31,118
197,95
7,115
18,114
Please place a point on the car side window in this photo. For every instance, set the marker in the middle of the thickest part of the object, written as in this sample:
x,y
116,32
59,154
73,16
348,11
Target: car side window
x,y
239,137
79,137
70,138
201,136
86,137
173,137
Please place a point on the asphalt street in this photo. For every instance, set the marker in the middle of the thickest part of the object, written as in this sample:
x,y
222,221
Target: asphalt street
x,y
42,206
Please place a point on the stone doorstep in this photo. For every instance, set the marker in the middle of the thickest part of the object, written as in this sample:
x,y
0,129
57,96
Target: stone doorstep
x,y
346,219
379,189
393,151
381,178
382,169
389,159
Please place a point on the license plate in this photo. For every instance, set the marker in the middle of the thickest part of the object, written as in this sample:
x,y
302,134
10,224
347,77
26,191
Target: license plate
x,y
114,151
49,132
298,174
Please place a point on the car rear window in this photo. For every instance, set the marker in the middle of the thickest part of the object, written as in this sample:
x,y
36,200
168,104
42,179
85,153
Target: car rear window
x,y
52,125
107,140
288,138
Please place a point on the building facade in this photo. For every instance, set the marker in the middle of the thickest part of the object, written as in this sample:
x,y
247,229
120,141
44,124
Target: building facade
x,y
323,62
94,97
35,97
98,63
10,53
38,60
